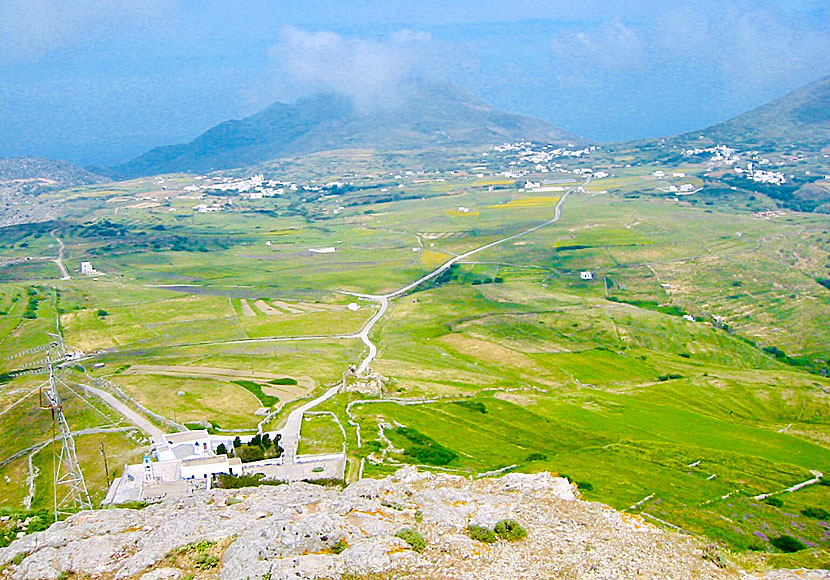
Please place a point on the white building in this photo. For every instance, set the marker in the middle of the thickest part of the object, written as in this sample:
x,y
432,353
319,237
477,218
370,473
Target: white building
x,y
586,275
205,467
88,270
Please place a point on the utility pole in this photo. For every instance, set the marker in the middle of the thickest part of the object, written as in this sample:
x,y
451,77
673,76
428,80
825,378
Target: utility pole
x,y
106,467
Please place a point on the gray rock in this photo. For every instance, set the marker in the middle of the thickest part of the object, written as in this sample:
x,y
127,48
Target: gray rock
x,y
163,574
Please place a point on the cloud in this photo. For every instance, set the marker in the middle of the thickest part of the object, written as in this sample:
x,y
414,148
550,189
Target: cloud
x,y
613,45
32,29
369,71
738,49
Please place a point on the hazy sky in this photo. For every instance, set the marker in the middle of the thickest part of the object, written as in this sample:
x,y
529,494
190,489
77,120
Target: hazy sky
x,y
100,81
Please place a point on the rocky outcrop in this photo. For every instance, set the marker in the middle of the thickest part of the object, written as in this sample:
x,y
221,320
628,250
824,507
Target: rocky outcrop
x,y
307,531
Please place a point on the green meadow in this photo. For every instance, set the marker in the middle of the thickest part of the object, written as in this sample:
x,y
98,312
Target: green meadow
x,y
691,366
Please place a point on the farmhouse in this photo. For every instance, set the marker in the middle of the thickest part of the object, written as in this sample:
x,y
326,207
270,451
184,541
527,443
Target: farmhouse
x,y
586,275
88,270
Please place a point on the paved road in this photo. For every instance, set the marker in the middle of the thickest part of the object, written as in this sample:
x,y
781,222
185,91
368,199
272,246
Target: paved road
x,y
383,299
142,423
290,433
59,259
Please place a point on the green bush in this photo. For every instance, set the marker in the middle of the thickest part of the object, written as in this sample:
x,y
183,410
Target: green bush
x,y
338,547
816,513
788,544
477,406
510,530
283,381
774,502
206,561
584,485
481,534
536,457
412,537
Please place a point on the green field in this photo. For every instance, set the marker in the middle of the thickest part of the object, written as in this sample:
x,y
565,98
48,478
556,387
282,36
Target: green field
x,y
522,362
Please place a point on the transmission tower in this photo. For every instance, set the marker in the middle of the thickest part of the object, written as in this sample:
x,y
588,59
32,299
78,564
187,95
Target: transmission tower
x,y
69,486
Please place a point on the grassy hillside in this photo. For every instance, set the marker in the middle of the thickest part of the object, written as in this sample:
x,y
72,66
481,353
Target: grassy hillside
x,y
690,367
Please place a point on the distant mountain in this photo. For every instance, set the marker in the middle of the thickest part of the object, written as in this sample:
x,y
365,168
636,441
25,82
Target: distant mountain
x,y
800,118
422,115
62,173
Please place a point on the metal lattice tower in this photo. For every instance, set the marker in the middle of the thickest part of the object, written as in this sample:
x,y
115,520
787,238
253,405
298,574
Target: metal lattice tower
x,y
70,488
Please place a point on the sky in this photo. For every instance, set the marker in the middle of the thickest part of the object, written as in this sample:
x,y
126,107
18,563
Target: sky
x,y
98,82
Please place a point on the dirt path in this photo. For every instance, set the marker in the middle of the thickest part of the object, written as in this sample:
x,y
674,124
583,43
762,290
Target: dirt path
x,y
59,260
144,424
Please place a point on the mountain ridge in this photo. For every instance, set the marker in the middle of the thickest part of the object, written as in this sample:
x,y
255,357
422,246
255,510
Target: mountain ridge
x,y
800,118
418,115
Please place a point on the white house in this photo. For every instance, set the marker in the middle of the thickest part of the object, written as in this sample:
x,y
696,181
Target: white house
x,y
205,467
586,275
87,269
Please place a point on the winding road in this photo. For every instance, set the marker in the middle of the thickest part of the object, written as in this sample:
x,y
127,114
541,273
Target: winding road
x,y
384,299
290,433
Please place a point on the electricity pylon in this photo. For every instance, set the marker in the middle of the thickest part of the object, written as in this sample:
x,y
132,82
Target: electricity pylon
x,y
70,493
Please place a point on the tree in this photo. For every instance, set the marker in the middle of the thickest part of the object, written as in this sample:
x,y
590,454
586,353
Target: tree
x,y
237,442
221,449
266,441
256,441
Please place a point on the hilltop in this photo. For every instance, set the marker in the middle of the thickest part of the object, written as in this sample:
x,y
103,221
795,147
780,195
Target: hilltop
x,y
798,119
308,531
421,115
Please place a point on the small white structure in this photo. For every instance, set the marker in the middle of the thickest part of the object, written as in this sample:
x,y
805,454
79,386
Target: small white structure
x,y
205,467
463,209
88,270
326,250
586,275
689,317
353,306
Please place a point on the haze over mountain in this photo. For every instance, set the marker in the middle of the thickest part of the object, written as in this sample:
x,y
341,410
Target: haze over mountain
x,y
415,116
800,118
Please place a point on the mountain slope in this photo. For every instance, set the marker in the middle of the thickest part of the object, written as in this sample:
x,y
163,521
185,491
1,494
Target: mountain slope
x,y
422,115
800,119
37,168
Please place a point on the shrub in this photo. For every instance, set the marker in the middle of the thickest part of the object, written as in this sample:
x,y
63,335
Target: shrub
x,y
338,547
788,544
206,561
536,457
283,381
221,449
412,537
774,502
510,530
816,513
714,555
586,485
477,406
481,534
